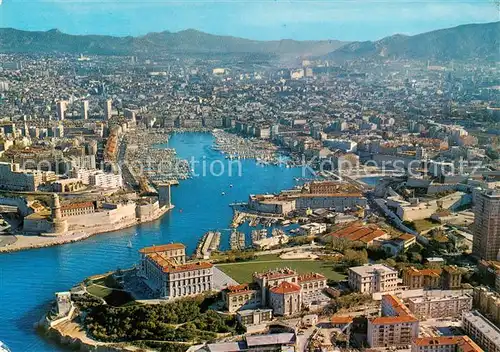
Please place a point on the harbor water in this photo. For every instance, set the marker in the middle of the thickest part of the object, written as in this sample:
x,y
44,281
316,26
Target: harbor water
x,y
29,279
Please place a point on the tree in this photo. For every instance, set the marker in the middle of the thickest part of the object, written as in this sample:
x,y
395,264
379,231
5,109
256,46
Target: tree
x,y
356,258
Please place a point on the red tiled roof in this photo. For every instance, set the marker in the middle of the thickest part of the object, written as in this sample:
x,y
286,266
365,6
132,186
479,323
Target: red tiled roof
x,y
311,277
341,320
77,205
276,274
406,237
285,287
423,272
465,343
162,248
357,232
243,288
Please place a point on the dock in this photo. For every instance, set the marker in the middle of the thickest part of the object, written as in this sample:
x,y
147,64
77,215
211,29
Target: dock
x,y
209,243
258,235
237,241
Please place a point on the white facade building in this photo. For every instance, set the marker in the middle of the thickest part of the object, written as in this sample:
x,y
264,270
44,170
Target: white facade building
x,y
373,278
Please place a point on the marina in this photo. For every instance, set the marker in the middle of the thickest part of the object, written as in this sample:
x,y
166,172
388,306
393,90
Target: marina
x,y
258,235
63,266
209,243
236,147
147,154
237,241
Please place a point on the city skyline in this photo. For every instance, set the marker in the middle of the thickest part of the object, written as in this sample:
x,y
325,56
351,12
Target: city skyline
x,y
260,20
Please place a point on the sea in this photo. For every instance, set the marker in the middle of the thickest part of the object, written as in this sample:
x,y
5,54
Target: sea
x,y
29,279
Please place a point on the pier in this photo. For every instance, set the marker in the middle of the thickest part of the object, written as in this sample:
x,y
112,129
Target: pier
x,y
237,241
209,243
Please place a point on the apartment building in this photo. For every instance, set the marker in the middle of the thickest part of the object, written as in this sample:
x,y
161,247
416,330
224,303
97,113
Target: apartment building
x,y
485,333
451,306
447,278
486,242
487,302
373,278
396,327
97,178
105,180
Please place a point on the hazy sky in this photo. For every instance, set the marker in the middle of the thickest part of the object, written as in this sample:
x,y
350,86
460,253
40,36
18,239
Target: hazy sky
x,y
257,19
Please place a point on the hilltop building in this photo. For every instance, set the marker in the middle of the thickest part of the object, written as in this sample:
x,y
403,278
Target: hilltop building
x,y
282,290
168,275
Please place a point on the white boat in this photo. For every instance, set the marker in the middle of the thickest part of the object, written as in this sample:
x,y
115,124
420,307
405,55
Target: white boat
x,y
129,245
3,347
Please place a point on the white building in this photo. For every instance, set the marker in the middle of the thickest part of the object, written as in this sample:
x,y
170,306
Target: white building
x,y
451,306
85,109
12,177
312,229
373,278
168,274
108,112
482,331
61,109
98,178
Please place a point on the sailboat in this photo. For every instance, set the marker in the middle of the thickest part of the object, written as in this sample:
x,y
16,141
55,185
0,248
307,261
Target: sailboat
x,y
129,245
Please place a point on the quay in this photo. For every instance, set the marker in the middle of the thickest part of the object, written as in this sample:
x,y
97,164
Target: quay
x,y
240,217
237,240
209,243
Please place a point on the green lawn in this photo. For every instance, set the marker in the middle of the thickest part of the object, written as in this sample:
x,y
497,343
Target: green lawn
x,y
113,297
242,272
425,224
99,291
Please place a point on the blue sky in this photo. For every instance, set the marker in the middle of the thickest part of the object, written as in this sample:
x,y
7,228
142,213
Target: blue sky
x,y
256,19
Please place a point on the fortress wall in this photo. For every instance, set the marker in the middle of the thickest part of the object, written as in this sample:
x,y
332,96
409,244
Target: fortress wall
x,y
20,203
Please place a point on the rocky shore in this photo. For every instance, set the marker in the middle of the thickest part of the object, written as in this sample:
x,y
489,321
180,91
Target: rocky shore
x,y
71,336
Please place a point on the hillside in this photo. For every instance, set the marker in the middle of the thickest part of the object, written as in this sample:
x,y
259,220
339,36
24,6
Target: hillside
x,y
185,42
472,41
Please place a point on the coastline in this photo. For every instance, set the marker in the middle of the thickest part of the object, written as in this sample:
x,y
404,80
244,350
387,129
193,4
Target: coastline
x,y
70,335
27,242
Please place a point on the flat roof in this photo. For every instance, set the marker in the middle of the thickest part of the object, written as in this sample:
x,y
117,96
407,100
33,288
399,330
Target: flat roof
x,y
226,347
439,299
485,326
272,339
366,270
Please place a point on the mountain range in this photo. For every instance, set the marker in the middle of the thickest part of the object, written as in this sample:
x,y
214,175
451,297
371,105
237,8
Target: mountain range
x,y
184,42
472,41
